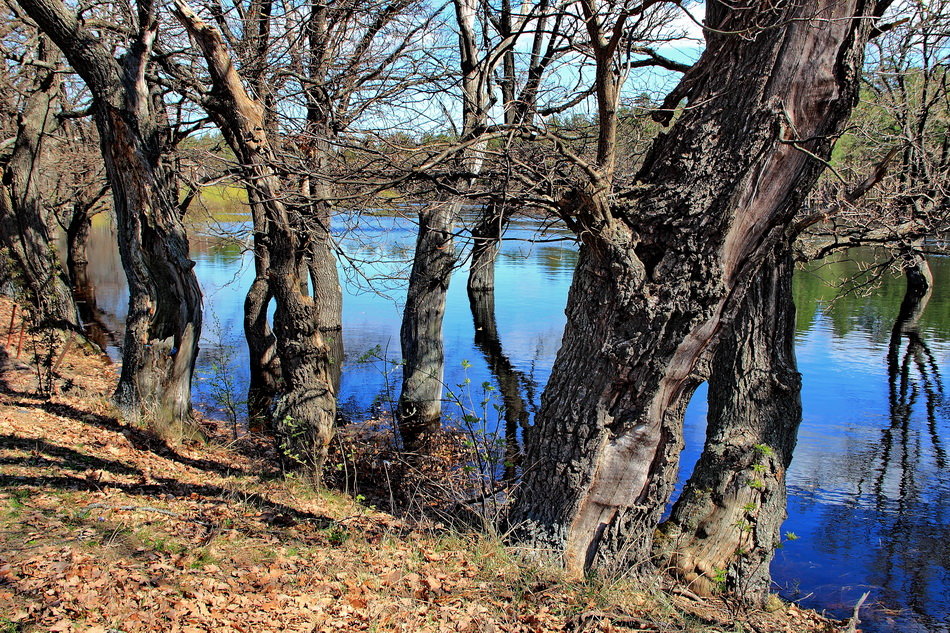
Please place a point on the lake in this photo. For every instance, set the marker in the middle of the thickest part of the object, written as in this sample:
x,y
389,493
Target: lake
x,y
869,490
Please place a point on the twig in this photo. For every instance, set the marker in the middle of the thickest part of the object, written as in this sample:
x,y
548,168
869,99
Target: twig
x,y
19,345
62,354
10,329
855,621
103,506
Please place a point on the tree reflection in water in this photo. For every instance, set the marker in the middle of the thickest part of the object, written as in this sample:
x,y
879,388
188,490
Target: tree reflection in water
x,y
912,554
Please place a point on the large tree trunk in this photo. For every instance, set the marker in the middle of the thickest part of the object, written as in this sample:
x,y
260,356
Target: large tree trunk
x,y
663,269
24,221
306,408
164,317
724,527
420,401
328,296
321,256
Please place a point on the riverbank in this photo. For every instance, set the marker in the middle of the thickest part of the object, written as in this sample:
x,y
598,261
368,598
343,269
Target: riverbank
x,y
104,528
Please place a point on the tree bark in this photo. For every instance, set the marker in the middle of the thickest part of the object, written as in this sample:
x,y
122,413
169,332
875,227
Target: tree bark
x,y
486,242
420,400
263,361
164,317
321,258
328,296
664,266
306,408
24,220
724,527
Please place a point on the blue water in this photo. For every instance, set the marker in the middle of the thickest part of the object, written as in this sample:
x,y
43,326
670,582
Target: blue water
x,y
869,485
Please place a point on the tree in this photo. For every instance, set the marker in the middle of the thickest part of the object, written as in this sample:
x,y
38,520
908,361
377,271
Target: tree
x,y
420,335
164,321
306,409
726,523
25,221
666,262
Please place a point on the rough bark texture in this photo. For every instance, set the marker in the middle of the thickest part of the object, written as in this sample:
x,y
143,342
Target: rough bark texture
x,y
306,408
164,317
663,268
263,361
321,260
24,221
420,400
724,527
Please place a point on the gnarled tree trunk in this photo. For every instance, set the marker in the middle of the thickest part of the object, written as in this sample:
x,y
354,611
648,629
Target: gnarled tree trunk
x,y
724,527
306,407
664,267
164,317
263,362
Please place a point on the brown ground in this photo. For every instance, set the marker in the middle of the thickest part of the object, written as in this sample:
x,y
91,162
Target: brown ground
x,y
104,528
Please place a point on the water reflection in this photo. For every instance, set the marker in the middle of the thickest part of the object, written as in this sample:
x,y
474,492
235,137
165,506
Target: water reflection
x,y
869,482
869,488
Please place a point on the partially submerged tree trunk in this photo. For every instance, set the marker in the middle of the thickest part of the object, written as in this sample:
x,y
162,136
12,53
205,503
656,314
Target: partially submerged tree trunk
x,y
486,242
420,400
306,408
24,220
920,281
77,264
663,269
724,527
164,317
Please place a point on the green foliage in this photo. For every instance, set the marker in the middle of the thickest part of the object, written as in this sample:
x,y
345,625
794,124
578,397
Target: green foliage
x,y
719,577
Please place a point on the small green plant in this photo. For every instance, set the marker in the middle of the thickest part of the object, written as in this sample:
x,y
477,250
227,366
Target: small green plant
x,y
336,535
764,449
291,434
719,577
758,484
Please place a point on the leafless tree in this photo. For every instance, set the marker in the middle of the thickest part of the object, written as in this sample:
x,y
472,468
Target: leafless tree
x,y
164,321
